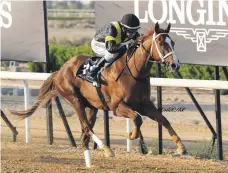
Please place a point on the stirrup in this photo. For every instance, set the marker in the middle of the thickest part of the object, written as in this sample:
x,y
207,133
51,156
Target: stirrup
x,y
96,80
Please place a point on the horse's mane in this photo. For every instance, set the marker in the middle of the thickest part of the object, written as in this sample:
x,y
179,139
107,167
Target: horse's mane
x,y
149,32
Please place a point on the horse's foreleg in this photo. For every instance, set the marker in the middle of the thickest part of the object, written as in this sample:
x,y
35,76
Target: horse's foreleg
x,y
151,111
127,112
124,110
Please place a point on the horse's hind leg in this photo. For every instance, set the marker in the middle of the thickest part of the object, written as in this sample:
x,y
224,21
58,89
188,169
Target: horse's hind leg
x,y
80,110
91,114
151,111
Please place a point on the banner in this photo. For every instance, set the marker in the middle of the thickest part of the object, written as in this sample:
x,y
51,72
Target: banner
x,y
22,31
198,27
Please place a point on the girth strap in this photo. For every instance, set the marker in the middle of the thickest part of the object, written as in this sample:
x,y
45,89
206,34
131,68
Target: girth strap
x,y
100,94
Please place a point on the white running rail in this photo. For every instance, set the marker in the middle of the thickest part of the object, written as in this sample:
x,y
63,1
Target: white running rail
x,y
202,84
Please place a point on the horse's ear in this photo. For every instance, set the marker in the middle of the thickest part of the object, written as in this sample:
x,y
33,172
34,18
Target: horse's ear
x,y
168,28
151,28
157,27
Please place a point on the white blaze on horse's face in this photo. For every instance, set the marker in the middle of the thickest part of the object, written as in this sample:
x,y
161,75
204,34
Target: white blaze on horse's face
x,y
176,63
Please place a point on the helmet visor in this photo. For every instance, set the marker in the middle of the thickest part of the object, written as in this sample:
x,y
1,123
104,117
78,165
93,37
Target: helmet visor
x,y
131,32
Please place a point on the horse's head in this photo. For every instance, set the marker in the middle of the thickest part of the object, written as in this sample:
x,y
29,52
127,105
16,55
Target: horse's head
x,y
162,47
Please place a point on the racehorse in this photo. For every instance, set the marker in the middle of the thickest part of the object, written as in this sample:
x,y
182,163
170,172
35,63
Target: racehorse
x,y
125,92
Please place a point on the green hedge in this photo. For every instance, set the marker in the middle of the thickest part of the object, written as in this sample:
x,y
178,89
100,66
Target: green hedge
x,y
59,54
189,71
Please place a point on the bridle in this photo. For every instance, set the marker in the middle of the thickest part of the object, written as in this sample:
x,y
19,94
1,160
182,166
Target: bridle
x,y
150,56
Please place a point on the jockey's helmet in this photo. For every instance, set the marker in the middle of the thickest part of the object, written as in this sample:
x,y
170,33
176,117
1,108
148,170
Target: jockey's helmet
x,y
131,24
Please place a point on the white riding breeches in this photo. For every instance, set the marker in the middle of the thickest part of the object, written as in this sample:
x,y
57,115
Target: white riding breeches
x,y
100,49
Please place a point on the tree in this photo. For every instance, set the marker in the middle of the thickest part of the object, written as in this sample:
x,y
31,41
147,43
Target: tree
x,y
90,5
75,5
36,66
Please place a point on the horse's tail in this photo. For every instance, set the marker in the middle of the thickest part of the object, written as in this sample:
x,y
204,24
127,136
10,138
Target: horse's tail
x,y
46,92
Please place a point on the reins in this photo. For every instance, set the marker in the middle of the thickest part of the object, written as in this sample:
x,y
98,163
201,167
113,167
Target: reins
x,y
128,68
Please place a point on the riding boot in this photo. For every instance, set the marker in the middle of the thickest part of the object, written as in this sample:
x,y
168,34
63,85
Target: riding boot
x,y
92,75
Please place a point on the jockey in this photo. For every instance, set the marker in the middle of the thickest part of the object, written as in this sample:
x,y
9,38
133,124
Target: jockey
x,y
107,42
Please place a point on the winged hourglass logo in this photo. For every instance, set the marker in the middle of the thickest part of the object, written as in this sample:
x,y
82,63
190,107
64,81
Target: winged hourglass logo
x,y
201,37
197,13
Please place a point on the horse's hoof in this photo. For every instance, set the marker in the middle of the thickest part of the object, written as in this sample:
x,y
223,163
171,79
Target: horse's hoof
x,y
144,148
182,151
133,135
129,135
108,152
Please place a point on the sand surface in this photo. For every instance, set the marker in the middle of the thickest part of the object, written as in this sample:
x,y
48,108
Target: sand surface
x,y
39,156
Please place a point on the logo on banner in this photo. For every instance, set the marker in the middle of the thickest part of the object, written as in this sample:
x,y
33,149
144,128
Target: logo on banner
x,y
183,10
5,16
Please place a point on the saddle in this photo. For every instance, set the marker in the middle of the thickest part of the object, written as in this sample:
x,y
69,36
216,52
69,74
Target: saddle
x,y
87,67
91,62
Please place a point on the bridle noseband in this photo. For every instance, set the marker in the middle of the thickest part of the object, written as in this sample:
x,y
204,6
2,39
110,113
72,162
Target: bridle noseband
x,y
150,56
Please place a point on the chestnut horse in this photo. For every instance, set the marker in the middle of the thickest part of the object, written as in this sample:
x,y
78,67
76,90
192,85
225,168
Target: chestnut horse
x,y
128,97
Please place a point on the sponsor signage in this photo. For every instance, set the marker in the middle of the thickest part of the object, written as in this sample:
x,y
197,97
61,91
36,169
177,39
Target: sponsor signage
x,y
198,27
22,31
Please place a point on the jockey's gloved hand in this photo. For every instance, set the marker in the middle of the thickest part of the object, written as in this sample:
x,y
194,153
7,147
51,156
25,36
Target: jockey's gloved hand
x,y
123,49
132,43
128,45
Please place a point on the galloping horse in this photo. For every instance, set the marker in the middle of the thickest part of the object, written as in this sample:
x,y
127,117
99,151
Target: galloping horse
x,y
129,96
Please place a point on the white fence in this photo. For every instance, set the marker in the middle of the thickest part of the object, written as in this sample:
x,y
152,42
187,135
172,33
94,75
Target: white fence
x,y
202,84
191,83
71,13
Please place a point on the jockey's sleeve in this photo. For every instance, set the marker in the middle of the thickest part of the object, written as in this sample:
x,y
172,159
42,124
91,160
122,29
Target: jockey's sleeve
x,y
110,42
113,48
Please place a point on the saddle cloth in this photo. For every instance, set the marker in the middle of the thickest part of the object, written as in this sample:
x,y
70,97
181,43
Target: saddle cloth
x,y
87,67
91,62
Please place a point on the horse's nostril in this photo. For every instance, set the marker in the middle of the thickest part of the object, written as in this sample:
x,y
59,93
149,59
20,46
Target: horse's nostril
x,y
173,66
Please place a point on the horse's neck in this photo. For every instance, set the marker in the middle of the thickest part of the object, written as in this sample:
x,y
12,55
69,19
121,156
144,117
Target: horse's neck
x,y
138,65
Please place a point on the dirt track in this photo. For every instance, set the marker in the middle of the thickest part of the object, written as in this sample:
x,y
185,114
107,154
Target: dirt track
x,y
39,157
19,157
